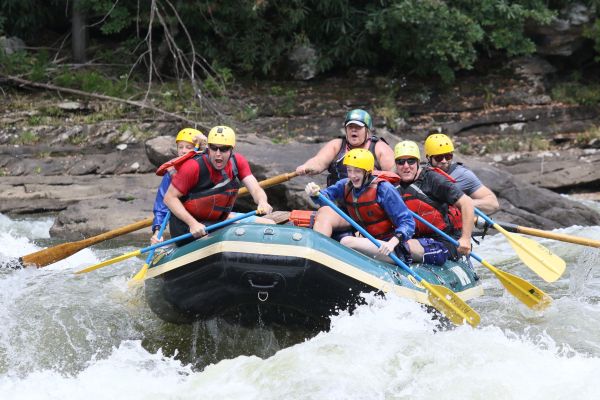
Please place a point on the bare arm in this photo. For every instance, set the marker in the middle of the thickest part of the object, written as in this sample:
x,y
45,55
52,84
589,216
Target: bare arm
x,y
485,200
176,206
321,160
258,194
465,204
385,156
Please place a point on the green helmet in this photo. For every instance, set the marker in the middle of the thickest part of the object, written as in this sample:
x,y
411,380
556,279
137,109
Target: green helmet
x,y
360,117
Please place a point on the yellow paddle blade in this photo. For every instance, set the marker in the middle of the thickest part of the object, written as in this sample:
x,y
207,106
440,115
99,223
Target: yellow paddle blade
x,y
527,293
138,279
542,261
449,304
111,261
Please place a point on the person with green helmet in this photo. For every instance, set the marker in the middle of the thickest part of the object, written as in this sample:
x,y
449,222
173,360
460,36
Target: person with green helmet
x,y
205,187
373,202
439,151
186,140
432,195
358,126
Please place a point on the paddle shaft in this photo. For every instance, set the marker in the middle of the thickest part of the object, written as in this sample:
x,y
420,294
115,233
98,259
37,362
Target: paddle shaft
x,y
160,234
50,255
549,235
208,229
53,254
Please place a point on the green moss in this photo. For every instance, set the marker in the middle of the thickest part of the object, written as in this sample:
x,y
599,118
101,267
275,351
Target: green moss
x,y
26,138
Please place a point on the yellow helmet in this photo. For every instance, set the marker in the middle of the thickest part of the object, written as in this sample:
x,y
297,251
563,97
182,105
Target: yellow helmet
x,y
438,143
222,135
187,135
407,148
360,158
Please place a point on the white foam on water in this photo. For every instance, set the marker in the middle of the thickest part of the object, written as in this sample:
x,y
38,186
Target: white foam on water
x,y
389,349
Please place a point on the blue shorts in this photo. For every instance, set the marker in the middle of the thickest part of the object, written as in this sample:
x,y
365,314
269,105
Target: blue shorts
x,y
435,252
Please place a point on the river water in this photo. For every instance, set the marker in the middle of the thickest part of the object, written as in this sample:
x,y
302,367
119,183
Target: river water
x,y
88,336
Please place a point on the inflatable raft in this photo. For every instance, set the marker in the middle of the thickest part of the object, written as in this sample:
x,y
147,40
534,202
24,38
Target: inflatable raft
x,y
281,274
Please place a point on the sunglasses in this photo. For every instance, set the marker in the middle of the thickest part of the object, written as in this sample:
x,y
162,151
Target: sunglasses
x,y
222,149
441,157
409,161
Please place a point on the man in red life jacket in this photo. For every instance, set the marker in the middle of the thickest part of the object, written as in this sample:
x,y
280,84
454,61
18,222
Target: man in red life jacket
x,y
205,187
358,127
371,201
186,140
433,196
439,151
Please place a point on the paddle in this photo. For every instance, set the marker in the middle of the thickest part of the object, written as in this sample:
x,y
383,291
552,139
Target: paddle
x,y
440,297
209,228
51,255
139,277
538,258
563,237
527,293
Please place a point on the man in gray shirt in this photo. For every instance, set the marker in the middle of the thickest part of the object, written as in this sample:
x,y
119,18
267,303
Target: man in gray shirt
x,y
439,151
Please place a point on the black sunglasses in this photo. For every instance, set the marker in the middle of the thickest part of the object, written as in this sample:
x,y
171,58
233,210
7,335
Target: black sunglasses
x,y
440,157
222,149
410,161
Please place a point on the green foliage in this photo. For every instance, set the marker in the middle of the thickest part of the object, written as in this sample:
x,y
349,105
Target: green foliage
x,y
116,15
25,18
23,63
594,33
93,82
217,84
430,36
587,94
586,137
255,37
26,138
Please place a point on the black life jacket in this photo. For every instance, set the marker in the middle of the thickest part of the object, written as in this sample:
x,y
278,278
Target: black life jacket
x,y
337,169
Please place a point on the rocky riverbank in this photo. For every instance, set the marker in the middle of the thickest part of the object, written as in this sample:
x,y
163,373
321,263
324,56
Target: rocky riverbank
x,y
98,175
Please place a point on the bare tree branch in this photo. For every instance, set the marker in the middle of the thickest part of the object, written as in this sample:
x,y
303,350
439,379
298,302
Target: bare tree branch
x,y
144,105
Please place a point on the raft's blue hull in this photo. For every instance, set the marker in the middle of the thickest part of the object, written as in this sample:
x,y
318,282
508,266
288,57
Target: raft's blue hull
x,y
279,273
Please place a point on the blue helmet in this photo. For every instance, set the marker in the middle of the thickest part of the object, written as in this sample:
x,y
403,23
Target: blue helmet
x,y
360,117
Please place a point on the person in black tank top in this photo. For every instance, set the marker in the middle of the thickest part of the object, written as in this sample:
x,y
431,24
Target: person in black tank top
x,y
358,127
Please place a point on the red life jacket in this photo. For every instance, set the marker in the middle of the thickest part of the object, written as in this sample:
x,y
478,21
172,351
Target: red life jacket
x,y
365,209
209,201
175,162
445,217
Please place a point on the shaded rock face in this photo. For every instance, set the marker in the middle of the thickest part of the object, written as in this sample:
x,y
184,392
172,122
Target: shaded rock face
x,y
100,176
525,204
97,193
564,35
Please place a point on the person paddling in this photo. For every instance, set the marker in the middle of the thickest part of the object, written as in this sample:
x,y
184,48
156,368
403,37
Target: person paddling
x,y
186,140
439,151
373,202
358,127
204,189
433,196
